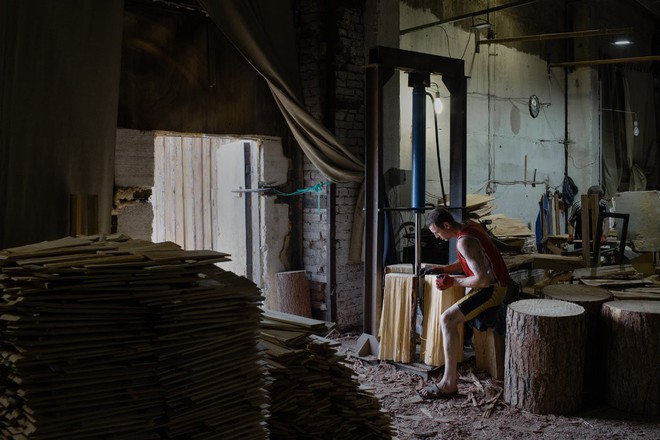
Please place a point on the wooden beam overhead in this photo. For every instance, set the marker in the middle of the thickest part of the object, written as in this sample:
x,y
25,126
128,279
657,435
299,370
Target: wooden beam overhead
x,y
644,59
559,35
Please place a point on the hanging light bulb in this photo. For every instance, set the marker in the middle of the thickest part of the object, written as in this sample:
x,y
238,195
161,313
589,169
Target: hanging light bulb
x,y
635,128
437,104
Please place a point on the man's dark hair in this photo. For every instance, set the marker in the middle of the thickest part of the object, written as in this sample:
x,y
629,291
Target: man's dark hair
x,y
438,216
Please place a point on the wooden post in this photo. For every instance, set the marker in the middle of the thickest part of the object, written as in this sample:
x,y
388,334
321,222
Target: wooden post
x,y
592,299
293,293
632,341
544,356
584,220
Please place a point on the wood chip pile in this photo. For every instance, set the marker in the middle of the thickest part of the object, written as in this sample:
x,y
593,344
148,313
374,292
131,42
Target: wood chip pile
x,y
313,392
120,338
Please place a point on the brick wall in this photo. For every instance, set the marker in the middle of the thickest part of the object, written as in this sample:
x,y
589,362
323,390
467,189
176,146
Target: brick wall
x,y
330,41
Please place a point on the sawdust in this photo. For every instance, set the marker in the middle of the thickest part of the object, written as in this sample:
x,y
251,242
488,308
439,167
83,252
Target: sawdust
x,y
479,410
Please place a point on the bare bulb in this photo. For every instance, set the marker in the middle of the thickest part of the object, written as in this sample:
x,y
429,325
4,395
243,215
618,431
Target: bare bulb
x,y
635,129
437,104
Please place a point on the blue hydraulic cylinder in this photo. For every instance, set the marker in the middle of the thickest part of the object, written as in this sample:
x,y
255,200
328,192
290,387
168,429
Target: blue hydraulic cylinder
x,y
418,148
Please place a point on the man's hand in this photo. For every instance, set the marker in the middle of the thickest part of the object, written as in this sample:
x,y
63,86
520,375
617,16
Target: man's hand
x,y
444,282
432,270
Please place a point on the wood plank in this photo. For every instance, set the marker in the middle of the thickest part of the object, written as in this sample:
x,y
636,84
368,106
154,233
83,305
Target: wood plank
x,y
178,196
207,200
158,190
198,194
215,224
556,262
168,213
188,193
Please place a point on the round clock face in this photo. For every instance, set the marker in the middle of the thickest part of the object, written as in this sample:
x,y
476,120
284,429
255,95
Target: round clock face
x,y
534,106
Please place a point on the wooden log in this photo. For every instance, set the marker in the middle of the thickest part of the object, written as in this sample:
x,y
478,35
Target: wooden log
x,y
293,293
437,301
544,356
395,330
489,352
592,299
632,341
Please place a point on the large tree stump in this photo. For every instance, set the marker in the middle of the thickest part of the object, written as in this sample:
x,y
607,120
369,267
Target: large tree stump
x,y
544,356
293,293
592,299
632,341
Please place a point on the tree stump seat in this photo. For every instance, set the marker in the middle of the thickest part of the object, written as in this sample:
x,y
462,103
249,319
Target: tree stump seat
x,y
632,350
544,356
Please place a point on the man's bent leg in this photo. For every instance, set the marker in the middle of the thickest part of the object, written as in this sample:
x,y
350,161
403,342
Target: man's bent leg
x,y
450,320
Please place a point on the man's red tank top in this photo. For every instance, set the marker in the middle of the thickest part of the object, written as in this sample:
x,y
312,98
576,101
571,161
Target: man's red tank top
x,y
493,256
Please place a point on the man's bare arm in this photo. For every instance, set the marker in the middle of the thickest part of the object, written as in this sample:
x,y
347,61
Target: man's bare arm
x,y
471,250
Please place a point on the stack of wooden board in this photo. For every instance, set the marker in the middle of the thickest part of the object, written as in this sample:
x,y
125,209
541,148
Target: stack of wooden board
x,y
395,331
437,301
478,205
313,393
624,281
509,231
108,337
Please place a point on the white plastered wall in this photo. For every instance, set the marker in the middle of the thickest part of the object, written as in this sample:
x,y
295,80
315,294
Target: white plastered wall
x,y
501,134
274,225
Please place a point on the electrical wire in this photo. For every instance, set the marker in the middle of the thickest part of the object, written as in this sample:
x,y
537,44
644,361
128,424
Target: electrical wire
x,y
437,152
466,45
447,37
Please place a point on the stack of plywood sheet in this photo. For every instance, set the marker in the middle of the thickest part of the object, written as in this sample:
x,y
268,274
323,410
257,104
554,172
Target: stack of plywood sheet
x,y
509,231
313,393
512,232
119,338
478,205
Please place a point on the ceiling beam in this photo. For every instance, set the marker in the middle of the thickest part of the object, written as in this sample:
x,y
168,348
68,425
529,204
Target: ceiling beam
x,y
558,35
644,59
466,16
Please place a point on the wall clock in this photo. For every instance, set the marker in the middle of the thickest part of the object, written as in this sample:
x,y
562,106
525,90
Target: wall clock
x,y
534,106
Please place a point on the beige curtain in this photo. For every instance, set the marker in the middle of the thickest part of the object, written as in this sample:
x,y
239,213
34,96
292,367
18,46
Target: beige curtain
x,y
640,106
625,99
263,32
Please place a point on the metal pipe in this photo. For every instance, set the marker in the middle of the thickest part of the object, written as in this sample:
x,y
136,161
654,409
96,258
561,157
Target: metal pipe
x,y
418,144
558,35
610,61
465,16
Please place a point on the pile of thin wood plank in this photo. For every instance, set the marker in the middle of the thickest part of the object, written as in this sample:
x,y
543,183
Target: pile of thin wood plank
x,y
510,232
313,392
108,337
626,282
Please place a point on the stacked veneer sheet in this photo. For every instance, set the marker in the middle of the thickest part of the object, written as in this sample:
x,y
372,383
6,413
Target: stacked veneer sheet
x,y
108,337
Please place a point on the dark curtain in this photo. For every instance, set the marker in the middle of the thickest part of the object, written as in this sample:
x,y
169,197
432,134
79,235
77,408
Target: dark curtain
x,y
627,160
59,81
